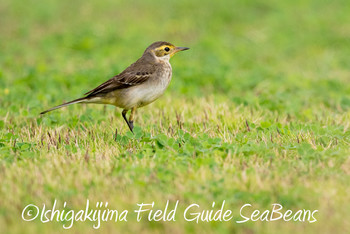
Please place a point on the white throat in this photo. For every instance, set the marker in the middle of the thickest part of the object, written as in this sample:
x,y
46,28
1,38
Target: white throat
x,y
165,58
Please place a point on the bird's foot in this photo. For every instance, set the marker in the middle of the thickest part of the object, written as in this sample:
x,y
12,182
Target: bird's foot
x,y
131,126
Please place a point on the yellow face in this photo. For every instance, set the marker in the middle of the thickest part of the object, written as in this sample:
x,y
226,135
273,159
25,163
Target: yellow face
x,y
170,50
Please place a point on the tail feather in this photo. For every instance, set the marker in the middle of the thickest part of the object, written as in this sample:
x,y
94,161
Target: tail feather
x,y
65,104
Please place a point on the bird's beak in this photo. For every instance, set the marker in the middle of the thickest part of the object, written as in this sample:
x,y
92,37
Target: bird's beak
x,y
178,49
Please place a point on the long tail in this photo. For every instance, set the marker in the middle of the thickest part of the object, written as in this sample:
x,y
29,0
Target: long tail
x,y
65,104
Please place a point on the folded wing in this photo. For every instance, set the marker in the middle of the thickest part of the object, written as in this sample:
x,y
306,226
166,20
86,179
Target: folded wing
x,y
132,76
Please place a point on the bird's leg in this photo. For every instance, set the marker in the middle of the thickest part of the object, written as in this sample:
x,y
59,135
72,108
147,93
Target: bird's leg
x,y
131,117
126,120
116,134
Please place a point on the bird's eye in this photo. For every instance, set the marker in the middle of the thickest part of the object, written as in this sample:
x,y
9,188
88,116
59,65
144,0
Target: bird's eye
x,y
166,49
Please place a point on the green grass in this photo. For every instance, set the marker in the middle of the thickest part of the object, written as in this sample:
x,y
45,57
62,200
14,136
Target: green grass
x,y
258,112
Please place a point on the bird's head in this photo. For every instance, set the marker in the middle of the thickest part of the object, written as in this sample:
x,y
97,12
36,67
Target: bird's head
x,y
164,50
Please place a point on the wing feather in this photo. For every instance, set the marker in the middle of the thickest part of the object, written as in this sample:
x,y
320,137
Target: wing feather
x,y
135,74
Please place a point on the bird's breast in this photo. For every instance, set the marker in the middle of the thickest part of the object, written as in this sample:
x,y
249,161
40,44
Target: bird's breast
x,y
147,92
154,88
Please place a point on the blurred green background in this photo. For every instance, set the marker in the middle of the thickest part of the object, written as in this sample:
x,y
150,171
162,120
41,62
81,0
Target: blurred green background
x,y
280,66
284,56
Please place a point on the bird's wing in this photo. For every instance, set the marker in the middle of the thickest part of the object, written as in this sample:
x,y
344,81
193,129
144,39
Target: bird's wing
x,y
132,76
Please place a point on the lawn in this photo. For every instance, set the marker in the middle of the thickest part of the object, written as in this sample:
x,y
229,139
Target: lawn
x,y
258,112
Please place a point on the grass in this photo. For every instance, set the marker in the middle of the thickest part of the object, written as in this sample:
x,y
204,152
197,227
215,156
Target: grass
x,y
258,112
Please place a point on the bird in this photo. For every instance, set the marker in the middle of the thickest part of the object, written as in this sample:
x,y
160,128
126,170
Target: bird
x,y
138,85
